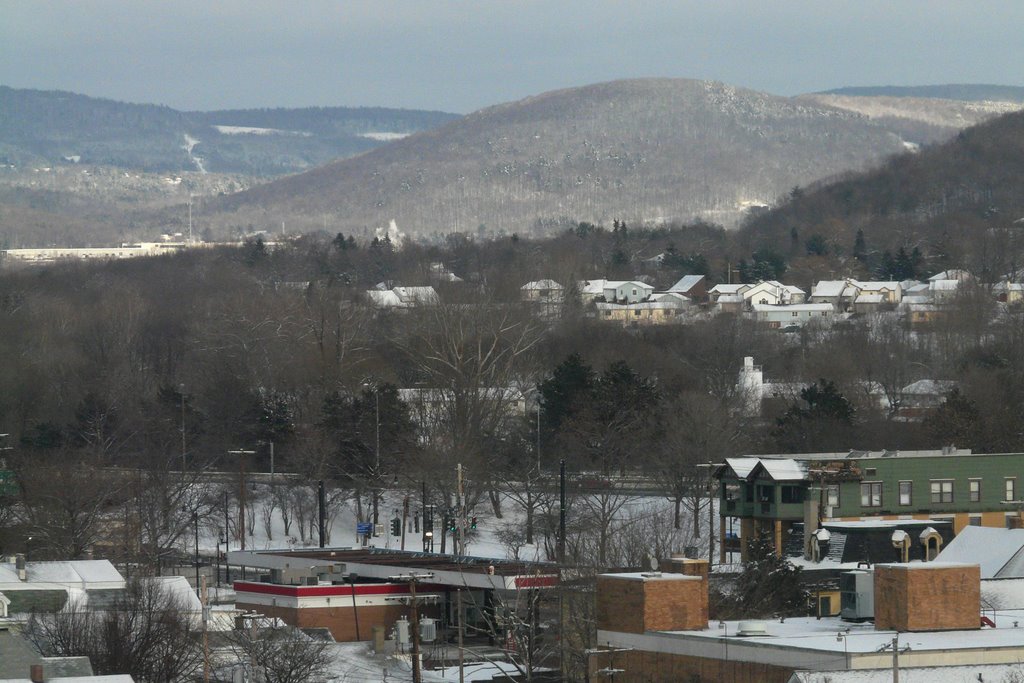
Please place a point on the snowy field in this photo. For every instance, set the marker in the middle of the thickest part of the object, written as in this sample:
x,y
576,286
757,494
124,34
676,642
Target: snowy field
x,y
493,537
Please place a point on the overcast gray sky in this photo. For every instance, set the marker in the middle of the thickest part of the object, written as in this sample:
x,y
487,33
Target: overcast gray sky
x,y
463,55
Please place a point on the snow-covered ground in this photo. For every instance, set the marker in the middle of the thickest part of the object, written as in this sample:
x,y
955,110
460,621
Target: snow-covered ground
x,y
640,514
357,663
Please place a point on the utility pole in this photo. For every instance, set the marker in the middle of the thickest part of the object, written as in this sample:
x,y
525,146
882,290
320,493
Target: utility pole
x,y
181,390
323,513
206,632
561,512
195,521
458,610
241,492
459,545
412,580
896,658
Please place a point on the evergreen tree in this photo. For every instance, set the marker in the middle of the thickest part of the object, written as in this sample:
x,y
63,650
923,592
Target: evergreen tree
x,y
860,247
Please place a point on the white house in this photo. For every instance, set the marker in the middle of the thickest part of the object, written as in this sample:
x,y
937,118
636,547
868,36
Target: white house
x,y
627,292
545,291
792,314
403,297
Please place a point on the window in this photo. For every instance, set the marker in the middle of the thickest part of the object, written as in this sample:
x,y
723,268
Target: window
x,y
795,314
942,491
792,494
974,490
870,471
1010,489
637,313
974,520
832,495
748,493
766,494
906,493
871,494
634,291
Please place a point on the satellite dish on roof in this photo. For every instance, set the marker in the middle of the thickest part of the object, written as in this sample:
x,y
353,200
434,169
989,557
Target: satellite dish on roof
x,y
652,561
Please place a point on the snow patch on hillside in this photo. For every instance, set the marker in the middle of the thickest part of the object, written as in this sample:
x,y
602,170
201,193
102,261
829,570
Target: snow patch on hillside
x,y
384,137
252,130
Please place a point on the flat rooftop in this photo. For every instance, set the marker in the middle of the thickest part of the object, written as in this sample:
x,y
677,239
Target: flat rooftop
x,y
830,643
382,563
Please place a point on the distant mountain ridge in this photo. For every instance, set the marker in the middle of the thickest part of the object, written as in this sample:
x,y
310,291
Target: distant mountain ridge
x,y
968,92
52,127
642,149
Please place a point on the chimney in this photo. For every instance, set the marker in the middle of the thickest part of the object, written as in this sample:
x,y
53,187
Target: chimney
x,y
87,555
19,563
35,673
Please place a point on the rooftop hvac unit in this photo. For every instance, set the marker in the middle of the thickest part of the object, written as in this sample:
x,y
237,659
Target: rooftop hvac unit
x,y
752,628
402,630
857,595
428,630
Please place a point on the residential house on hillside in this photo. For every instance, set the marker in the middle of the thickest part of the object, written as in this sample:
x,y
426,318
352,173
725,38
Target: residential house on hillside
x,y
773,293
626,291
693,287
784,315
547,291
851,295
1008,292
735,298
591,290
920,398
660,308
402,297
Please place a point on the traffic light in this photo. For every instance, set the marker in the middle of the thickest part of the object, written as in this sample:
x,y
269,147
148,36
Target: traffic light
x,y
472,522
396,527
451,523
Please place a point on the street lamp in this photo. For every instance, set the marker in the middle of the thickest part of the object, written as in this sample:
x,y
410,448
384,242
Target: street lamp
x,y
241,492
367,386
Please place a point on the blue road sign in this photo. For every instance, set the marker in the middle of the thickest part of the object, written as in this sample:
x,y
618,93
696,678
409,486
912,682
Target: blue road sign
x,y
364,528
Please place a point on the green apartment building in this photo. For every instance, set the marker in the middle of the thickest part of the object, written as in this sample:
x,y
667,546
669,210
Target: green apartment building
x,y
768,494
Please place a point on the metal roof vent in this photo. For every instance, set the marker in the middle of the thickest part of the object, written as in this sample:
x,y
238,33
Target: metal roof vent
x,y
752,628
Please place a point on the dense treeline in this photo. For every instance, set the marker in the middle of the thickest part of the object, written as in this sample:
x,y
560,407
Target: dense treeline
x,y
167,364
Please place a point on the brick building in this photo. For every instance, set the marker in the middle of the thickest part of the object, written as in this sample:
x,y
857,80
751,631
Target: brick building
x,y
353,590
651,629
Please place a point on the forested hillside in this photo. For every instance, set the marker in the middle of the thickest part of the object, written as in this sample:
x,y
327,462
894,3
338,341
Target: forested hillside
x,y
52,127
642,150
959,204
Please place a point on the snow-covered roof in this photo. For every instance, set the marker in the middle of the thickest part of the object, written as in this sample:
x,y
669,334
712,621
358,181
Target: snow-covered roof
x,y
780,469
78,573
742,466
912,674
727,289
541,284
794,308
423,295
784,470
929,387
870,299
915,287
829,288
594,287
1002,593
615,284
686,283
385,298
951,274
943,285
1000,552
730,299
